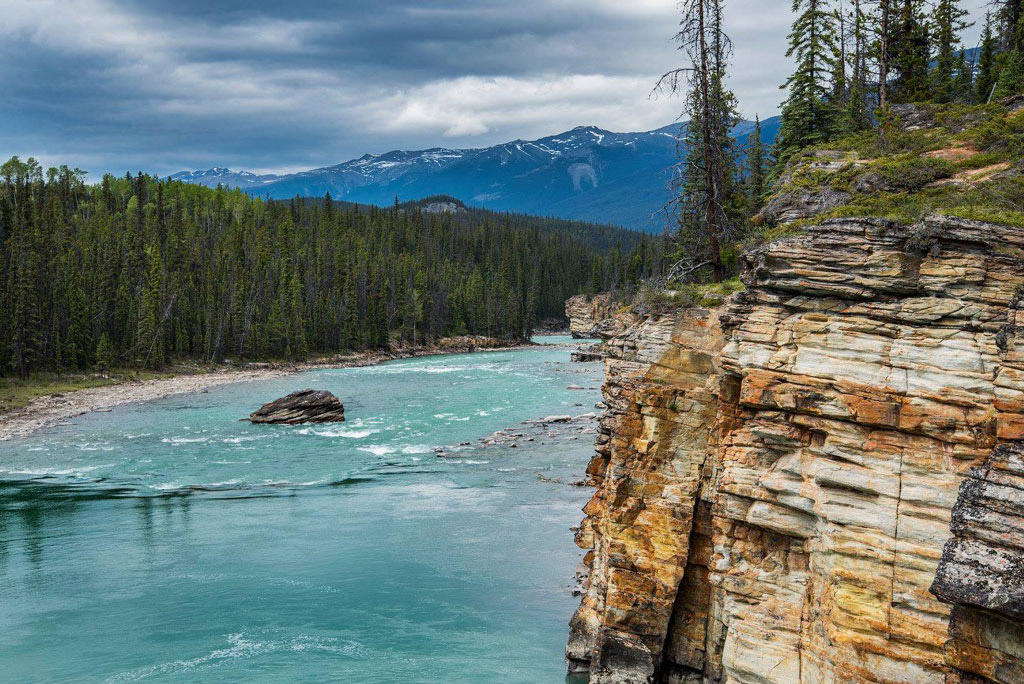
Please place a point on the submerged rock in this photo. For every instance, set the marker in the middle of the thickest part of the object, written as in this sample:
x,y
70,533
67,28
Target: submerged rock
x,y
304,406
586,354
552,419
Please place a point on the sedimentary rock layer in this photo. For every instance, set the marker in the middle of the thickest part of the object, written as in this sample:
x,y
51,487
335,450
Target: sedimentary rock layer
x,y
775,477
304,406
593,316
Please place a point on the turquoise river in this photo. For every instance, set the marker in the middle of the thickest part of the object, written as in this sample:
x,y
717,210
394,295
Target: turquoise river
x,y
169,542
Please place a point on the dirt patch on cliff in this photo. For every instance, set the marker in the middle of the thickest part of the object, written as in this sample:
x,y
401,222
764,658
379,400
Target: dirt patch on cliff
x,y
972,176
958,153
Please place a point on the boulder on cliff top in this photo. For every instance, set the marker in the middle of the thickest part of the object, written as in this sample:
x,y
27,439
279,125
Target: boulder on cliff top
x,y
304,406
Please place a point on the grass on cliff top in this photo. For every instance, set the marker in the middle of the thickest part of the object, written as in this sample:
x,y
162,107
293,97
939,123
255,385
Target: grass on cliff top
x,y
999,202
966,145
687,296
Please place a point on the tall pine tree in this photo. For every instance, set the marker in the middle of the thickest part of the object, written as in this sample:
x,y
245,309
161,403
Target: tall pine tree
x,y
755,169
985,81
949,22
909,53
808,115
707,172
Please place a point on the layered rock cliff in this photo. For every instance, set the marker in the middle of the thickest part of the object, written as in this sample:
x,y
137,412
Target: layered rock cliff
x,y
592,316
776,476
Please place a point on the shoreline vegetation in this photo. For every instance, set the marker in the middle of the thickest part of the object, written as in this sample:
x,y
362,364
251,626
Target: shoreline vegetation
x,y
28,407
141,272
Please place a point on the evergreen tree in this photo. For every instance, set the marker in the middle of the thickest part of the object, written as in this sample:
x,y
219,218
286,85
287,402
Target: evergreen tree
x,y
808,115
949,22
78,352
1010,14
755,170
985,80
909,53
1011,75
707,180
105,356
858,115
963,78
840,81
145,270
150,341
886,13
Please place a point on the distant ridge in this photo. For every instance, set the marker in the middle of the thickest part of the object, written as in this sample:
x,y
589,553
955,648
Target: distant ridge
x,y
587,173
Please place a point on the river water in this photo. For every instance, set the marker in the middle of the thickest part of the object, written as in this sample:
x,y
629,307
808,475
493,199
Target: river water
x,y
169,542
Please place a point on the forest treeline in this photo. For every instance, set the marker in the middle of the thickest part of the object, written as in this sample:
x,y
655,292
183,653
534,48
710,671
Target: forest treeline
x,y
853,60
136,271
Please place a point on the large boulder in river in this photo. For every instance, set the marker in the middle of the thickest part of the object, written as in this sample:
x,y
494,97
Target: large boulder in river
x,y
304,406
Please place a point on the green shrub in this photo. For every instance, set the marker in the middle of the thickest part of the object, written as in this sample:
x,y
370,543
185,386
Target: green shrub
x,y
687,296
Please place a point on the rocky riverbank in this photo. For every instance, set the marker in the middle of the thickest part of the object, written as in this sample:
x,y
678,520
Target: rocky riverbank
x,y
53,409
777,476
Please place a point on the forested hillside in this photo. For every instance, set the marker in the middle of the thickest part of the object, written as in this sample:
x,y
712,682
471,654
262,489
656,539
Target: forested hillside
x,y
138,272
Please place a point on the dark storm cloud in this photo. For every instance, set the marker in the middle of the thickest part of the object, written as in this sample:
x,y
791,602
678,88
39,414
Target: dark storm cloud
x,y
110,85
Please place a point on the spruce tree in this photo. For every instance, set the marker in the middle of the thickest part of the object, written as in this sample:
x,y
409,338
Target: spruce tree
x,y
1011,75
755,170
985,81
144,270
150,340
963,79
949,22
886,13
808,115
105,356
1010,14
858,115
909,53
707,173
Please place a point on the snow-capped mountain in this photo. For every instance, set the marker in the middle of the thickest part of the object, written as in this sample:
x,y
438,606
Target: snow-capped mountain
x,y
219,175
587,173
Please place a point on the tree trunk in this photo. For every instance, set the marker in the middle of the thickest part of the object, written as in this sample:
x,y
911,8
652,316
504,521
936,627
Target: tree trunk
x,y
710,187
883,57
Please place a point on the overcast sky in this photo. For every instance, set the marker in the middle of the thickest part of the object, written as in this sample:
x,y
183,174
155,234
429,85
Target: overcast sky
x,y
167,85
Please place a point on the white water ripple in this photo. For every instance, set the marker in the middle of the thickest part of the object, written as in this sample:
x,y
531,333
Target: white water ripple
x,y
242,646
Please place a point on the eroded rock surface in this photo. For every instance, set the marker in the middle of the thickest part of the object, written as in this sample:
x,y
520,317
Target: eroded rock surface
x,y
304,406
593,316
803,204
982,572
775,477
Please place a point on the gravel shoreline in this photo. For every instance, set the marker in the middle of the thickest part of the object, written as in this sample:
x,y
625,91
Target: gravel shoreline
x,y
53,409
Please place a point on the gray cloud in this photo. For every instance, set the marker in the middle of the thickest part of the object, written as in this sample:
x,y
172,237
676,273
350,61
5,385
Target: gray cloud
x,y
163,85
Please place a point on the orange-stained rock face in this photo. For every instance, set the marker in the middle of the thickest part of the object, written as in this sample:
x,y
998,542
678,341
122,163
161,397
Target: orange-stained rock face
x,y
775,477
595,316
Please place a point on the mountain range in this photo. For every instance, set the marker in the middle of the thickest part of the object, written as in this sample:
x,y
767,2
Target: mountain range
x,y
587,173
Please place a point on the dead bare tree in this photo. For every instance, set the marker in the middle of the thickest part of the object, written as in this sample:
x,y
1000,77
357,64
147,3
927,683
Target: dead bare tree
x,y
705,169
